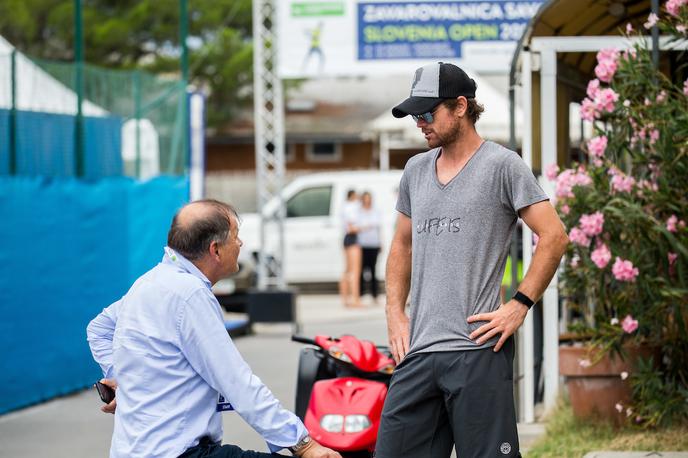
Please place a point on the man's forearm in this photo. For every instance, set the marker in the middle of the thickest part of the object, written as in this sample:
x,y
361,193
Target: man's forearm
x,y
99,334
550,249
398,276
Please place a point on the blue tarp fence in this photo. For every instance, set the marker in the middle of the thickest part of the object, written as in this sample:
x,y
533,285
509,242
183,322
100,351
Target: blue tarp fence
x,y
45,145
69,248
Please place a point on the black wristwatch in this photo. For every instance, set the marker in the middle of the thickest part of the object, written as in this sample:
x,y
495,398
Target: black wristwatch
x,y
300,445
523,299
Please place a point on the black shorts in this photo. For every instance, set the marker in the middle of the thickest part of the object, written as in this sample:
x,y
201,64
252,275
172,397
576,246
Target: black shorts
x,y
444,399
350,239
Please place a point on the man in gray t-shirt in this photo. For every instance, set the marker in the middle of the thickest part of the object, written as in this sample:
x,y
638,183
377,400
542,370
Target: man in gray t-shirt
x,y
458,206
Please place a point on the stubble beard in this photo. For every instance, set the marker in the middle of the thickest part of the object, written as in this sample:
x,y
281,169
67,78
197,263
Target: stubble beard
x,y
453,135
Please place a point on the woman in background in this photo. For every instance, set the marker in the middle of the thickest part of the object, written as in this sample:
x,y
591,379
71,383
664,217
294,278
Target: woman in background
x,y
369,239
349,285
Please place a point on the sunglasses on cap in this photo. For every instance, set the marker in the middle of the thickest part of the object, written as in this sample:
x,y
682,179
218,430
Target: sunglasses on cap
x,y
427,116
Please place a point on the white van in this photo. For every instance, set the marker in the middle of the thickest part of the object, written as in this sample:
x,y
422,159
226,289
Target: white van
x,y
313,229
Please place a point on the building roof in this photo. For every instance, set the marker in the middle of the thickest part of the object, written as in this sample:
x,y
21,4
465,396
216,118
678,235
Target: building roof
x,y
584,18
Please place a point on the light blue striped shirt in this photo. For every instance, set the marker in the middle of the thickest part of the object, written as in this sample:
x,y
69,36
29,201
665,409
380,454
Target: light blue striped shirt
x,y
166,345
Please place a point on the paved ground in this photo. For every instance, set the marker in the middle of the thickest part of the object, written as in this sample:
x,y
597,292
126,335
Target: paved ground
x,y
73,426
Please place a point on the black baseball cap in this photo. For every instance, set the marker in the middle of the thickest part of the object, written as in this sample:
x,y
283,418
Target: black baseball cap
x,y
431,85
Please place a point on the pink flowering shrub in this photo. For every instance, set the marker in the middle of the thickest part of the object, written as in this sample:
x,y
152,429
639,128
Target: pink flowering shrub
x,y
626,212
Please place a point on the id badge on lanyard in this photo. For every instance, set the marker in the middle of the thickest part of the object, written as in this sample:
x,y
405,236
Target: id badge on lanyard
x,y
222,404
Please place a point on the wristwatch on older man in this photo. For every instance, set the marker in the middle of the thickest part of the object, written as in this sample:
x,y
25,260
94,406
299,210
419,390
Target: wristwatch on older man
x,y
300,445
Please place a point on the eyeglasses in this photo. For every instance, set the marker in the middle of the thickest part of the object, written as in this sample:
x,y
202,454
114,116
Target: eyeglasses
x,y
427,117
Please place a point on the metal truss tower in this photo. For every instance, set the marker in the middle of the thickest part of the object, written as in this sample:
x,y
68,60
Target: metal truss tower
x,y
268,114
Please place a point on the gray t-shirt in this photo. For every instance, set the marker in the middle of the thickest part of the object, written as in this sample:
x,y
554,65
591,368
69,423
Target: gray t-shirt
x,y
461,235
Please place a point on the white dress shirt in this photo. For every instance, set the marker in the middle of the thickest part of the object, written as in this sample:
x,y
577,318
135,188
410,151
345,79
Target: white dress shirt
x,y
166,345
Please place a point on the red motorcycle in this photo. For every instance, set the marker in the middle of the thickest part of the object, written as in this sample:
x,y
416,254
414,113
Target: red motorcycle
x,y
341,388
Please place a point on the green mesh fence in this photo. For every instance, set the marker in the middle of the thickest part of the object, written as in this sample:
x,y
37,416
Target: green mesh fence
x,y
133,122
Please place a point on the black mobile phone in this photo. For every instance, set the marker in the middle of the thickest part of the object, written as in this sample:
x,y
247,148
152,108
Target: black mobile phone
x,y
106,393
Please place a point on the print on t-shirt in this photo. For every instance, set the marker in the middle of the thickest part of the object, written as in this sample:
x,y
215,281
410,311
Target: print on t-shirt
x,y
439,225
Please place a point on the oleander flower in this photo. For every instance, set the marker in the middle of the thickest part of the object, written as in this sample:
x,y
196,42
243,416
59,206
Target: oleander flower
x,y
661,97
629,325
671,223
674,6
575,260
606,64
551,172
578,237
651,21
622,183
605,100
592,224
569,178
623,270
601,255
593,89
597,145
589,111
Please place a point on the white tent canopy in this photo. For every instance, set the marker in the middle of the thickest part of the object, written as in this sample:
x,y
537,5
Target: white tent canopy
x,y
36,90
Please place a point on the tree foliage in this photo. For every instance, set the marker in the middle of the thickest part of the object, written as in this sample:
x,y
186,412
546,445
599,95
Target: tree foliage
x,y
145,34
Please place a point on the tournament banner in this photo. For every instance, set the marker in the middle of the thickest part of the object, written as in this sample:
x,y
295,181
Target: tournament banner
x,y
359,37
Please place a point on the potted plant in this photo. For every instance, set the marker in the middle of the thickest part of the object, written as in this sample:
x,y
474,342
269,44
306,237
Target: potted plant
x,y
626,210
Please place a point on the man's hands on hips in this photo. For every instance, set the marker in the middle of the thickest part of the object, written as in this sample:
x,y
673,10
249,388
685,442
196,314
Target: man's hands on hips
x,y
398,333
505,321
315,450
112,406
